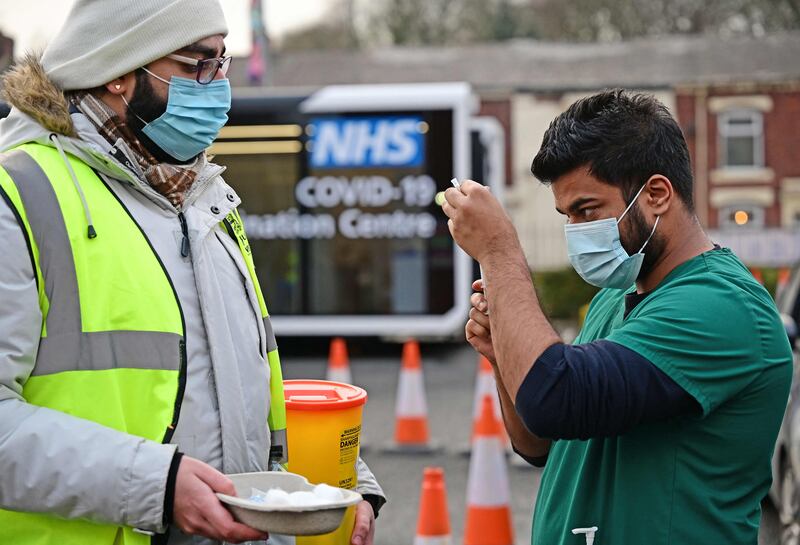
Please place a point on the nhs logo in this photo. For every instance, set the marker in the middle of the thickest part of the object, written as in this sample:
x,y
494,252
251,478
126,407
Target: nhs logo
x,y
367,142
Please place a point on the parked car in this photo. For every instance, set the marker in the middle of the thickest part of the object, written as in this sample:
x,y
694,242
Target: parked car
x,y
785,491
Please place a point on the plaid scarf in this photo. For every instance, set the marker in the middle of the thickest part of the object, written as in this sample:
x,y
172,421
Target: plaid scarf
x,y
171,181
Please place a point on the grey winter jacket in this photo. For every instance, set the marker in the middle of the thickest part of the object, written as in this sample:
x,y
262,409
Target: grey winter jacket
x,y
75,468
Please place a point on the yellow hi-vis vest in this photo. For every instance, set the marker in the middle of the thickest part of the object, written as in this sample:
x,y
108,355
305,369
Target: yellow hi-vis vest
x,y
112,346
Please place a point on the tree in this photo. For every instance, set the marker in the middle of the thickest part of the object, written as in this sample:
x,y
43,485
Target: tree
x,y
449,22
458,22
609,20
414,22
335,30
507,24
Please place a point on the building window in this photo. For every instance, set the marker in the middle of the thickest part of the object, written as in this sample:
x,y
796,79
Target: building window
x,y
741,216
741,138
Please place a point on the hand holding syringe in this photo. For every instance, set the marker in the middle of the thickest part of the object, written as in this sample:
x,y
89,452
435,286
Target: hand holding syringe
x,y
440,200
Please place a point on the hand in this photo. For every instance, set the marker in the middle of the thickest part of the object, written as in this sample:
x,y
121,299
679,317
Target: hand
x,y
478,329
198,511
478,223
364,529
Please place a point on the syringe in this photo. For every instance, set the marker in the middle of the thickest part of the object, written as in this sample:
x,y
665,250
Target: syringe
x,y
457,185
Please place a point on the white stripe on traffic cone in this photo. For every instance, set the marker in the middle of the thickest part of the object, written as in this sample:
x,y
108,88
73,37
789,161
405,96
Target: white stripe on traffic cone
x,y
411,409
488,492
339,362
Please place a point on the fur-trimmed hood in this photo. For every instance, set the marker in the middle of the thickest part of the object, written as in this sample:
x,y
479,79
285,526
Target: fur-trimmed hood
x,y
40,111
27,88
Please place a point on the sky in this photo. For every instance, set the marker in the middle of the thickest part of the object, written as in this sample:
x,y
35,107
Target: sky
x,y
24,20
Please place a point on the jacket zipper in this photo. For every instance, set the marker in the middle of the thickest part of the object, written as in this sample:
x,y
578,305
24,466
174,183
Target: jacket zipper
x,y
183,369
176,412
185,239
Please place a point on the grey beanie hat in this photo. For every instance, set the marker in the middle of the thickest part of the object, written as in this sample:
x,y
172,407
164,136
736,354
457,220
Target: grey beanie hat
x,y
104,39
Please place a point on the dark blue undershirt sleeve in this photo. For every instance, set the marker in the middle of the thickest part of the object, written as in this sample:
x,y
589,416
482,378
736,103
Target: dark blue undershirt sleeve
x,y
535,461
598,389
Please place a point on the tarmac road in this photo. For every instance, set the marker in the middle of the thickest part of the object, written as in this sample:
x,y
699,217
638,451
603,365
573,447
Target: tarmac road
x,y
449,381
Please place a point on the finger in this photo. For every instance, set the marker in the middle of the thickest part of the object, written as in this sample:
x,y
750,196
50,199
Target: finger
x,y
478,301
454,197
477,285
480,343
481,318
203,527
230,530
468,186
448,210
474,329
216,481
194,526
360,532
240,533
474,189
452,227
365,519
216,513
233,533
371,533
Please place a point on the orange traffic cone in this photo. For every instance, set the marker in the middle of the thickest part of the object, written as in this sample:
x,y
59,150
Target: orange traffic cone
x,y
338,362
411,409
433,523
488,492
485,384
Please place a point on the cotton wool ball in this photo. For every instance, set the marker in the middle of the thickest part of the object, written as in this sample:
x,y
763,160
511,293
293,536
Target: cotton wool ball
x,y
303,498
257,495
277,497
328,493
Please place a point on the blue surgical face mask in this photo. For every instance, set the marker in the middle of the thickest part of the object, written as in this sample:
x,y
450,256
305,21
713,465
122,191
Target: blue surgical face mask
x,y
194,116
596,253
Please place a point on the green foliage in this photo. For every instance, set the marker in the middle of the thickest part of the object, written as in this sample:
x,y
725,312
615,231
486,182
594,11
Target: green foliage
x,y
562,293
770,279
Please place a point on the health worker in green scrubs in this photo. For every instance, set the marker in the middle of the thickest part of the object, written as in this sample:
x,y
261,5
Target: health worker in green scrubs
x,y
657,425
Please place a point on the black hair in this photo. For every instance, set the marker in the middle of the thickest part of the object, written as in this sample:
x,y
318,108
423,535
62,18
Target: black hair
x,y
623,138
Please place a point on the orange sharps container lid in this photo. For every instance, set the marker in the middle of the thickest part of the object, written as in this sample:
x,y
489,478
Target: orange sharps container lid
x,y
322,395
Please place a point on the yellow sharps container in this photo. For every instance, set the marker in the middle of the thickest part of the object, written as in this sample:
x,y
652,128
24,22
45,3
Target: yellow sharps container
x,y
323,426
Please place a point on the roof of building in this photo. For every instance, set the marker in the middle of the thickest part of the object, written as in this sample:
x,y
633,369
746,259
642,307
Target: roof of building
x,y
661,62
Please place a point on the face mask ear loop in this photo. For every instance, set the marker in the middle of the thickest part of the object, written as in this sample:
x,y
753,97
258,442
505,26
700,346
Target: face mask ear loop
x,y
651,234
632,202
155,76
131,109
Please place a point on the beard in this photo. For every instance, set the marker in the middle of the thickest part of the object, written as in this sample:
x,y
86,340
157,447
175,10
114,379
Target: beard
x,y
637,235
145,103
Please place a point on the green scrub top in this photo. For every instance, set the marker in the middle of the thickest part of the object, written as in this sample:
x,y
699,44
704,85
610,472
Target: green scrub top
x,y
692,480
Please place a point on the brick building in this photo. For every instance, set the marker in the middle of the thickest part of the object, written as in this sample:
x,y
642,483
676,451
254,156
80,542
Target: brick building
x,y
745,144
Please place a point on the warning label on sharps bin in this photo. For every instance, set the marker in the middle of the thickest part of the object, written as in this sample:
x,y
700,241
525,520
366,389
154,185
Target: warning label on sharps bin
x,y
348,454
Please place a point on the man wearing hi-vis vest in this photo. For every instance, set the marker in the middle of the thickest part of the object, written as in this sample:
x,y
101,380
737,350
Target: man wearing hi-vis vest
x,y
137,361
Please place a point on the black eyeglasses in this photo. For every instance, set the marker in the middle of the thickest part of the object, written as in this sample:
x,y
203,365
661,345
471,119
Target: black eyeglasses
x,y
206,68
